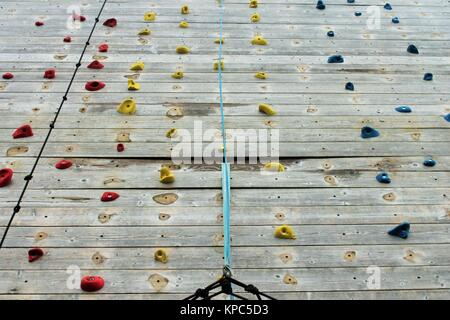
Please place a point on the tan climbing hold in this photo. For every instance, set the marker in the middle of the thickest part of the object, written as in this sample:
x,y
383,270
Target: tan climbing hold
x,y
216,65
150,16
285,257
185,10
285,232
182,50
137,66
350,255
166,176
165,198
290,279
255,17
219,40
161,256
389,196
267,109
178,75
40,236
253,4
261,75
104,217
184,24
158,282
144,32
97,258
164,216
133,85
274,166
128,106
175,113
171,133
13,151
123,137
259,40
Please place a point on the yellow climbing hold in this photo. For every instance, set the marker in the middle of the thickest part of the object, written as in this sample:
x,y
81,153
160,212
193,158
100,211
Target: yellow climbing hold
x,y
150,16
184,10
259,40
267,109
219,40
285,232
178,75
137,66
253,4
161,256
166,176
255,17
184,24
144,32
274,166
261,75
182,49
128,106
133,85
216,65
171,133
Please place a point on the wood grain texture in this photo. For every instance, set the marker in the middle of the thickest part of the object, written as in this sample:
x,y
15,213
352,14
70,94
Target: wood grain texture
x,y
328,192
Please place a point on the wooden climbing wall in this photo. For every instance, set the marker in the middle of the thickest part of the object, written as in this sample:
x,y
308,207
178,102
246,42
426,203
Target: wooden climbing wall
x,y
328,193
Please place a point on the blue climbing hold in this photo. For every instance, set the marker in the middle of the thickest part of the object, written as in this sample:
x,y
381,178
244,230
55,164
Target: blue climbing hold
x,y
428,76
368,132
320,5
447,117
358,14
387,6
429,163
401,231
383,177
349,86
412,49
330,34
336,59
395,20
403,109
350,1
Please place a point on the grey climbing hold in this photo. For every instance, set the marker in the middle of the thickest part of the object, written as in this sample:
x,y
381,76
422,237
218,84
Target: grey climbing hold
x,y
395,20
403,109
368,132
349,86
383,177
330,34
401,231
429,162
387,6
320,5
336,59
412,49
428,76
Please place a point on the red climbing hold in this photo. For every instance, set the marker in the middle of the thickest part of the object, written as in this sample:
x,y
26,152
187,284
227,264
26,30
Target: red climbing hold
x,y
50,74
7,76
103,47
95,65
63,164
109,196
35,254
6,175
23,131
92,283
120,147
82,18
67,39
110,23
39,23
94,85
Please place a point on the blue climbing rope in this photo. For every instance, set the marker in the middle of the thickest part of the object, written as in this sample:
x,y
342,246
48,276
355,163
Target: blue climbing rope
x,y
226,190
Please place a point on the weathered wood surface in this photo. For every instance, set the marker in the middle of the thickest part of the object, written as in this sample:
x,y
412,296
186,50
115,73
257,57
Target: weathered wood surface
x,y
328,192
